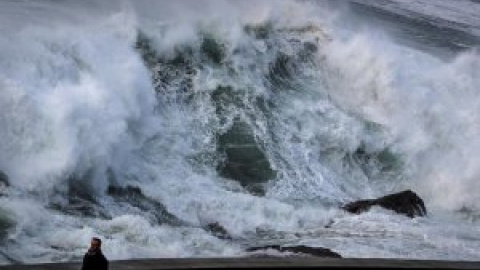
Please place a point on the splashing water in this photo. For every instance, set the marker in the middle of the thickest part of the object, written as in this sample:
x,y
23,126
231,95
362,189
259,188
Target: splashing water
x,y
141,122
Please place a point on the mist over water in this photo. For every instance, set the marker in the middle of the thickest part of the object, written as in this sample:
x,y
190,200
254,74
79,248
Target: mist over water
x,y
142,121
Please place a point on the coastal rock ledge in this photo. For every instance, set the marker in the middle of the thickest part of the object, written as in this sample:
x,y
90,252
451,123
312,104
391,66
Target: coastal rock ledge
x,y
405,202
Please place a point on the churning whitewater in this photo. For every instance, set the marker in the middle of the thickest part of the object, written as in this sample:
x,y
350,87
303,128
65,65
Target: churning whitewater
x,y
144,122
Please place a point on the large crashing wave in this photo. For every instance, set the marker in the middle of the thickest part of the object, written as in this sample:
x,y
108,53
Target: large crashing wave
x,y
150,120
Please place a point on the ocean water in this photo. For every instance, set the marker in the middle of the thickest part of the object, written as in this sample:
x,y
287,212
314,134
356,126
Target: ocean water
x,y
141,122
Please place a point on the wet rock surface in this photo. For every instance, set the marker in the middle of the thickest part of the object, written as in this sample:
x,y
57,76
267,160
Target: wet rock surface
x,y
79,199
405,202
217,230
134,196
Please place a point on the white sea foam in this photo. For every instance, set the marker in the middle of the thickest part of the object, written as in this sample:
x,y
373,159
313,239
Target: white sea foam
x,y
78,104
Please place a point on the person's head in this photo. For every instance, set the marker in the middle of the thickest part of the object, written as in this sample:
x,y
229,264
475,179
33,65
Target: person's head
x,y
96,243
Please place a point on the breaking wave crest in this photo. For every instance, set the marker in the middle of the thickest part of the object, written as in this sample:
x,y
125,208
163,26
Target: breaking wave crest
x,y
143,127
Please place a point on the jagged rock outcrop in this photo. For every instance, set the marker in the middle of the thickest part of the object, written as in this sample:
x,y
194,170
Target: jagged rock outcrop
x,y
301,250
406,202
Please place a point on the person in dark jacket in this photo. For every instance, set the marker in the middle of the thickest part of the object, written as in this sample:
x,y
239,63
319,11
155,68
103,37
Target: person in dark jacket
x,y
94,258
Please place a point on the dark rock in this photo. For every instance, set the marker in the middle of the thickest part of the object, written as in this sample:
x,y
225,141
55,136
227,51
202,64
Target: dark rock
x,y
79,199
301,249
126,192
79,207
406,202
218,230
134,196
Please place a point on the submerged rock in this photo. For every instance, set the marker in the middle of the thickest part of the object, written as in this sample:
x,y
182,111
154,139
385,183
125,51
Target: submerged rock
x,y
126,192
79,199
217,230
406,202
301,249
134,196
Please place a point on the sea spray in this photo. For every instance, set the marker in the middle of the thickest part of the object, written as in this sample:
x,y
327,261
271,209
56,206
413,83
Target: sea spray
x,y
144,121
